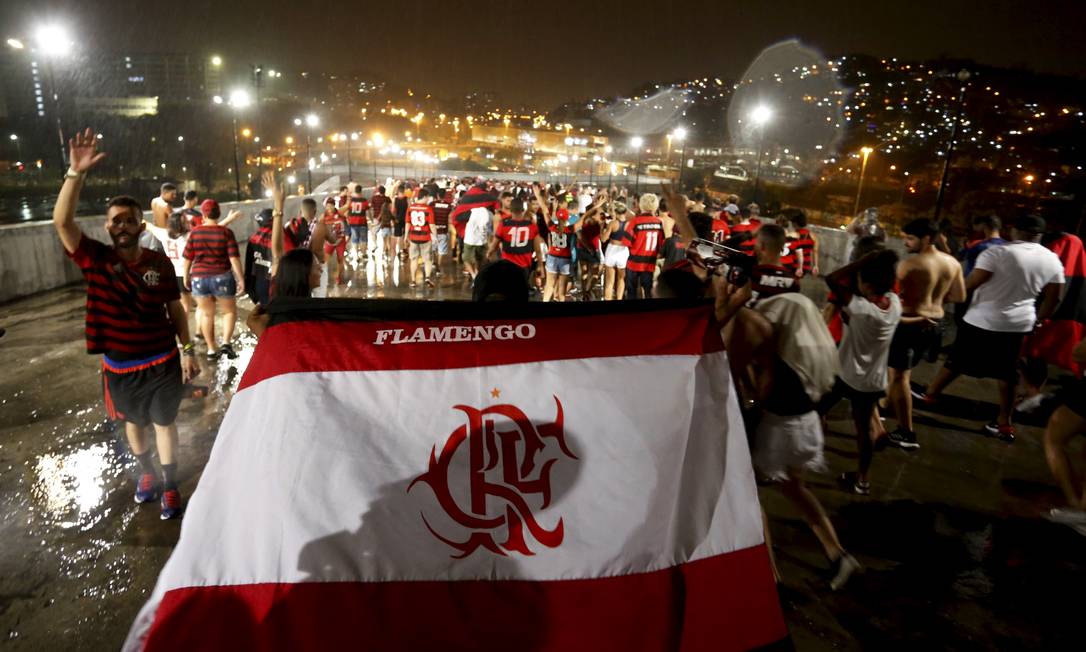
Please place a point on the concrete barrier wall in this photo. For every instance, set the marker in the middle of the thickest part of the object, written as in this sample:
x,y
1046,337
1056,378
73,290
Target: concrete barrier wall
x,y
32,259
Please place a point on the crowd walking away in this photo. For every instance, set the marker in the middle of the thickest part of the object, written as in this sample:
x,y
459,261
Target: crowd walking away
x,y
800,337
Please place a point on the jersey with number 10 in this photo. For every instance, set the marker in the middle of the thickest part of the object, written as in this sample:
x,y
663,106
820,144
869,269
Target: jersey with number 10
x,y
645,237
518,240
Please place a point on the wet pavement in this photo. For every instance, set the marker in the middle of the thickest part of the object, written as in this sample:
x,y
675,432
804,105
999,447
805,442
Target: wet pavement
x,y
956,554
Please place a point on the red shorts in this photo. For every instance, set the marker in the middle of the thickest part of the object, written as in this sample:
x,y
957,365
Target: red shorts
x,y
340,248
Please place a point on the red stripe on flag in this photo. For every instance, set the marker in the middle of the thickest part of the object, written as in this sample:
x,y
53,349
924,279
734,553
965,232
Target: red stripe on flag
x,y
726,602
352,345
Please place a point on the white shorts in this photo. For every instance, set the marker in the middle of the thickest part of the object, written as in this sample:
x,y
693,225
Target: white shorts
x,y
616,256
783,443
441,243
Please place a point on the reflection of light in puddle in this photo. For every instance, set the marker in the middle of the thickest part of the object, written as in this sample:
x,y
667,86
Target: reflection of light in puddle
x,y
71,486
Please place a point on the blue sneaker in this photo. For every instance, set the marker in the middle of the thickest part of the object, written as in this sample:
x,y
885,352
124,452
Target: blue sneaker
x,y
171,504
146,488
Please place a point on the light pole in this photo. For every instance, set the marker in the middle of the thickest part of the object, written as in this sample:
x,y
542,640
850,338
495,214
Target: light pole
x,y
636,143
866,151
610,166
760,116
963,77
680,134
54,42
239,99
18,146
311,121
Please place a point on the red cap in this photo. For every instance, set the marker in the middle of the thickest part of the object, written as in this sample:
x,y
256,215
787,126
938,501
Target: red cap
x,y
209,206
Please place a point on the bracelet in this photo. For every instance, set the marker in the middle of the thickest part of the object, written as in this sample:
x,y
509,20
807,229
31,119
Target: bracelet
x,y
189,347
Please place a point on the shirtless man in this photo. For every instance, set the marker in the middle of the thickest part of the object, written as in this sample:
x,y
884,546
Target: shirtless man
x,y
162,206
928,280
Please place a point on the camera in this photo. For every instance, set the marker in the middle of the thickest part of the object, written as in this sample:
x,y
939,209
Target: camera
x,y
740,266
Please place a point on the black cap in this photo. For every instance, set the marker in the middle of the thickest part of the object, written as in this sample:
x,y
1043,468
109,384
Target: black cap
x,y
264,217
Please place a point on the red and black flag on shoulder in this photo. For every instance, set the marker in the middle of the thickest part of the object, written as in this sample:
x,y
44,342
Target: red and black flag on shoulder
x,y
474,197
1054,342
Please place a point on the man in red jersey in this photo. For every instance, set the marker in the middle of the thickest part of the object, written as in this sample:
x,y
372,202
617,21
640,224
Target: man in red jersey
x,y
748,228
645,238
720,229
420,231
518,237
134,318
357,207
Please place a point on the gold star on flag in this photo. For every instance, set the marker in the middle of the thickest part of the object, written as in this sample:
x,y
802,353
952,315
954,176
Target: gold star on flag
x,y
495,392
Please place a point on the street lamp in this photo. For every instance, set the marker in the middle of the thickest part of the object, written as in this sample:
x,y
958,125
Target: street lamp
x,y
866,151
18,146
239,99
54,42
963,77
216,61
680,134
311,121
636,143
760,116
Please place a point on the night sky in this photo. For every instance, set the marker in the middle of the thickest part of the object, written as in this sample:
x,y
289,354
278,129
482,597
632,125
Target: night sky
x,y
545,52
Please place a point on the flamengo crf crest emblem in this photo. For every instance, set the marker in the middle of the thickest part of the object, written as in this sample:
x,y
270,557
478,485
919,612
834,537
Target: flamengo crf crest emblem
x,y
514,452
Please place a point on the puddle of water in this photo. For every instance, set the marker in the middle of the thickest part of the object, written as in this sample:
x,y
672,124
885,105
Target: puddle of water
x,y
71,487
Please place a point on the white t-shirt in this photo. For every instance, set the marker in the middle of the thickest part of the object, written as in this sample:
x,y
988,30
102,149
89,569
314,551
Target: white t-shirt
x,y
172,247
478,228
1006,303
866,344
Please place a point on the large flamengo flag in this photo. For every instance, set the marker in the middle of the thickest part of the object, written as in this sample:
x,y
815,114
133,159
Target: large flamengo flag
x,y
450,476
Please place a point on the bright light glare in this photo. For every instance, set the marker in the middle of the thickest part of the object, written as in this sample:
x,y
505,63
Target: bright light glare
x,y
216,60
636,141
16,43
680,133
866,150
761,114
217,99
13,137
53,40
239,98
292,179
312,120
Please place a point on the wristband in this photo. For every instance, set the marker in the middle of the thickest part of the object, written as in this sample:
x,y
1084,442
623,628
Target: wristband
x,y
72,174
188,348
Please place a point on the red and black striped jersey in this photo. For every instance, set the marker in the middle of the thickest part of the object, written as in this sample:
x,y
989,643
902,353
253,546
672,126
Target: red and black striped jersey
x,y
126,302
419,219
442,209
645,238
805,243
560,238
720,230
518,240
210,248
356,210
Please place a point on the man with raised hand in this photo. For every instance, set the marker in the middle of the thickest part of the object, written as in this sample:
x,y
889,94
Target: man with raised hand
x,y
135,319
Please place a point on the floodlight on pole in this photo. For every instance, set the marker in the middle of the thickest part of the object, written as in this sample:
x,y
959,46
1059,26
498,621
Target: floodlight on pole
x,y
636,143
53,40
680,133
216,61
312,120
239,98
760,116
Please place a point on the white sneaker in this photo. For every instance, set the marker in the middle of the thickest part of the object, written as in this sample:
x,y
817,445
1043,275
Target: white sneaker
x,y
1031,404
844,567
1067,516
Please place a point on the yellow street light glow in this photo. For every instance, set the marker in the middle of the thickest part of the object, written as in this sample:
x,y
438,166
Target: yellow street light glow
x,y
246,132
290,140
216,60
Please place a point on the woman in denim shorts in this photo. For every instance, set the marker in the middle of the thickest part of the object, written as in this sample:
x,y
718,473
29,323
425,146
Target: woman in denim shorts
x,y
213,272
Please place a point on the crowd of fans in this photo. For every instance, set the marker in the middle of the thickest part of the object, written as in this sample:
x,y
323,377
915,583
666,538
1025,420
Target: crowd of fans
x,y
514,241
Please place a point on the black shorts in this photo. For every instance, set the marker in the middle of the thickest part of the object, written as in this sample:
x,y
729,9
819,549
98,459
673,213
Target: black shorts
x,y
144,395
398,229
911,345
985,354
862,402
1073,397
181,285
588,256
